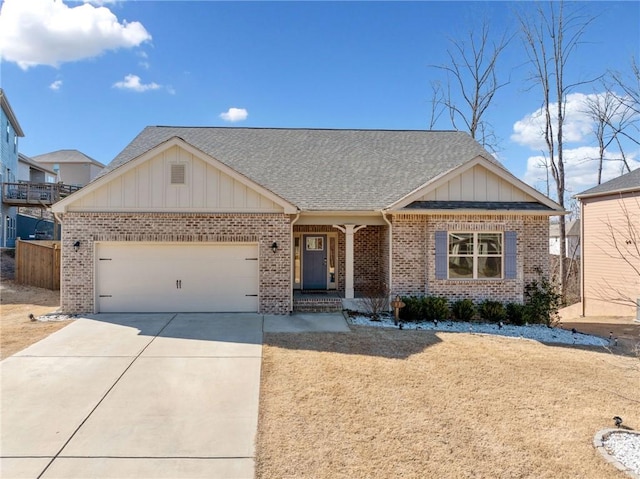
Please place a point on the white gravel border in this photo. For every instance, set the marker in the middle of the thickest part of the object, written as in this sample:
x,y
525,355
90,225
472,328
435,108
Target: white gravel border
x,y
535,332
620,448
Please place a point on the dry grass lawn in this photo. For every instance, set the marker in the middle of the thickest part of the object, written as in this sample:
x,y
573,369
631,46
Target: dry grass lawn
x,y
17,331
407,404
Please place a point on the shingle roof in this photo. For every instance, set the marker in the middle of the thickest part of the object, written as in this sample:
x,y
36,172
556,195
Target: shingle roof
x,y
66,156
479,205
318,169
629,181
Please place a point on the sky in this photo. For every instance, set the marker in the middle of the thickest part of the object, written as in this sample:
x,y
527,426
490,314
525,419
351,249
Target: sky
x,y
90,75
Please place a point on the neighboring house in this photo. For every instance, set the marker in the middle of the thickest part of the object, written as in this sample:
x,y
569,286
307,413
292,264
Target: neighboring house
x,y
572,239
610,263
238,219
72,166
10,131
35,222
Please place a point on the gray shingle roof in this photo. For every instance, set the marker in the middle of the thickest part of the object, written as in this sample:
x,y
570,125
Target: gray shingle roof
x,y
318,169
625,182
66,156
479,205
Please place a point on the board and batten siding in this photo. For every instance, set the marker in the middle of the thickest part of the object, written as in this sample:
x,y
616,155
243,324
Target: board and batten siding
x,y
606,275
147,187
477,184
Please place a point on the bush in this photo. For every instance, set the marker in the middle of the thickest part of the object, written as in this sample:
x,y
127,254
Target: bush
x,y
516,313
542,301
492,311
375,299
412,310
435,307
463,310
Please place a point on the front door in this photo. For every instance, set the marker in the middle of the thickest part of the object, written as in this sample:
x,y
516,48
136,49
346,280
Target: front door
x,y
314,262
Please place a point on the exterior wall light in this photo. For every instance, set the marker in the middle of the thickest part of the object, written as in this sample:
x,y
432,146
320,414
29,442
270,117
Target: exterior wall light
x,y
274,247
76,246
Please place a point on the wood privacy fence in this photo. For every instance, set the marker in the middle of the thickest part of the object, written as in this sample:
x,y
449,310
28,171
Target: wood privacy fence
x,y
38,263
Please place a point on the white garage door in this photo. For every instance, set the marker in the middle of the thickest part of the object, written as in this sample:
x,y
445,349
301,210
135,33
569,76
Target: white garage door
x,y
170,277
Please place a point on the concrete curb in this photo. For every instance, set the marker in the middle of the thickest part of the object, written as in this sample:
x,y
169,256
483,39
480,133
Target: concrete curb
x,y
598,443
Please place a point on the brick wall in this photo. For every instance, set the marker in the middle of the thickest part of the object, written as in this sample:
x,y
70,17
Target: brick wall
x,y
368,258
77,287
414,255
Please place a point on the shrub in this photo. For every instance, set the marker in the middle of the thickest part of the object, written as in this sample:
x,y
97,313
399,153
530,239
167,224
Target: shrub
x,y
516,313
375,299
412,310
492,311
463,310
542,301
435,307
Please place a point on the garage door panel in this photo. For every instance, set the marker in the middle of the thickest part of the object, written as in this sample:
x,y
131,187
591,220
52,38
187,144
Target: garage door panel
x,y
172,277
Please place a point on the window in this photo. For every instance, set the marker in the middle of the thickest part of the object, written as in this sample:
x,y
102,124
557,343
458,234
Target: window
x,y
475,255
7,131
315,243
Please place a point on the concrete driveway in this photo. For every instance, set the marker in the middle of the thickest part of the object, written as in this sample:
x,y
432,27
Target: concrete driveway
x,y
135,396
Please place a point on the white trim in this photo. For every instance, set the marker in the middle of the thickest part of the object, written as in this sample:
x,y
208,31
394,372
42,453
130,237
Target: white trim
x,y
349,231
443,178
62,205
471,211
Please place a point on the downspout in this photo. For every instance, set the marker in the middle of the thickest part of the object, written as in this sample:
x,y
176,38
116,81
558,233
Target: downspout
x,y
390,260
55,228
291,263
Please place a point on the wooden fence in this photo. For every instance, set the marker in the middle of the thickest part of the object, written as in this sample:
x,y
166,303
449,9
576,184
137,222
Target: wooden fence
x,y
38,263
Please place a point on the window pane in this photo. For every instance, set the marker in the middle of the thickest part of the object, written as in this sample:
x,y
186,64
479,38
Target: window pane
x,y
489,267
460,267
460,243
490,243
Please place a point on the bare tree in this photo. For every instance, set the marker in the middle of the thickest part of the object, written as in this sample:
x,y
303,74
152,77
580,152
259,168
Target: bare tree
x,y
611,117
550,37
630,85
471,84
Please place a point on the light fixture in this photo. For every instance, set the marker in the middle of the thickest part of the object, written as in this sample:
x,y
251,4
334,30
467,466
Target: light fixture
x,y
76,245
274,247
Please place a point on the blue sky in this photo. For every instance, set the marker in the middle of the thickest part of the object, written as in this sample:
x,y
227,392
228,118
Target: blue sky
x,y
74,83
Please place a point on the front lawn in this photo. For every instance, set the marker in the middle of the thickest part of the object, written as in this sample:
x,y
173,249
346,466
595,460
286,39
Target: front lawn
x,y
418,404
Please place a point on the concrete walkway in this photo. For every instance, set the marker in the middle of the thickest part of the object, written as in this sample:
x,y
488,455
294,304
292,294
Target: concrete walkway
x,y
133,396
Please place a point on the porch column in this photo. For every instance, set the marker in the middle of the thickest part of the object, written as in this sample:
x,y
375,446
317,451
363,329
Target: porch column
x,y
349,230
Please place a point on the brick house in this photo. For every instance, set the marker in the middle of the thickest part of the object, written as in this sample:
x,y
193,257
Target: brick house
x,y
248,219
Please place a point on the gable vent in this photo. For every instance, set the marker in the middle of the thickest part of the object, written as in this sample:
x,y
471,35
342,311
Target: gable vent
x,y
178,174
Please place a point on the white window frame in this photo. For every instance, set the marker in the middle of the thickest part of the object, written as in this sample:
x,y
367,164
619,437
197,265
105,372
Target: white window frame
x,y
476,255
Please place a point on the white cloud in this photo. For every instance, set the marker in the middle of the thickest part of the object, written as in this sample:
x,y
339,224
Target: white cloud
x,y
234,114
133,82
529,131
56,85
579,153
48,32
581,169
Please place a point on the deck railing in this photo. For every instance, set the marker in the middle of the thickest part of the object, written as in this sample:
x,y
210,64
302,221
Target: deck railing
x,y
44,194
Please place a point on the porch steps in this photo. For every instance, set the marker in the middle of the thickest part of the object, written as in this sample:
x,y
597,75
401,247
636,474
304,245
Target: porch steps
x,y
320,304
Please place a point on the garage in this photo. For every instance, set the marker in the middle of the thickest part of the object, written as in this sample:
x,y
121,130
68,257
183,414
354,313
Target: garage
x,y
136,277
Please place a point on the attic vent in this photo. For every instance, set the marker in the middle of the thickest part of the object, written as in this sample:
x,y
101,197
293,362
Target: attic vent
x,y
178,174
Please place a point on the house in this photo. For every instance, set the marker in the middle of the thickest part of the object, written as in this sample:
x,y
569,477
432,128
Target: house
x,y
610,261
35,221
572,239
246,219
72,166
10,131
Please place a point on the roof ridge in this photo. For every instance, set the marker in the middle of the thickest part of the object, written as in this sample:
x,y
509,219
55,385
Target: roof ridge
x,y
303,128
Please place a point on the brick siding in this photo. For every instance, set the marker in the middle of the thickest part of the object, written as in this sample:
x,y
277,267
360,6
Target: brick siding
x,y
77,285
414,255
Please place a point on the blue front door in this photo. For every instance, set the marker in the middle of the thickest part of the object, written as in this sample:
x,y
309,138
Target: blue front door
x,y
314,262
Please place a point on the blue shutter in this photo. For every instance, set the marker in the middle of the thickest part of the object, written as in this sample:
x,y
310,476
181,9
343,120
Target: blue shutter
x,y
441,254
510,254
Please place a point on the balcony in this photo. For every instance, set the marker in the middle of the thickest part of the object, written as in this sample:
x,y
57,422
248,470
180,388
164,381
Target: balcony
x,y
35,194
